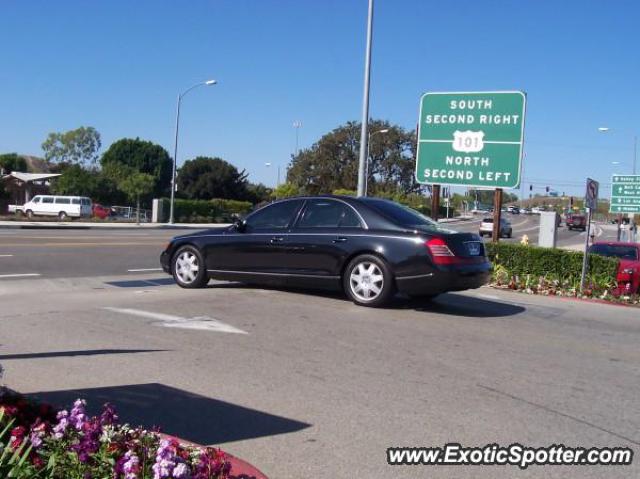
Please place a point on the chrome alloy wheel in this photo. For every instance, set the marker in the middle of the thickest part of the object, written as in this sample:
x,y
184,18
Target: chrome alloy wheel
x,y
366,281
186,267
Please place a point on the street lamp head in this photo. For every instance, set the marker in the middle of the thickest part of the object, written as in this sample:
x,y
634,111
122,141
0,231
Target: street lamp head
x,y
267,164
210,82
385,130
603,128
615,162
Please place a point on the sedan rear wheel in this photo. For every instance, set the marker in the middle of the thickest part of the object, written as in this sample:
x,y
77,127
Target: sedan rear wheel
x,y
368,281
188,268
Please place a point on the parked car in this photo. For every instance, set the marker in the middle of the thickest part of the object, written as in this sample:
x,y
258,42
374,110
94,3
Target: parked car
x,y
367,247
486,228
527,211
61,206
535,210
514,210
576,221
628,277
102,212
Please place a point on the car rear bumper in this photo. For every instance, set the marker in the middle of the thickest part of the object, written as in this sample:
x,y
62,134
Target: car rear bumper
x,y
455,278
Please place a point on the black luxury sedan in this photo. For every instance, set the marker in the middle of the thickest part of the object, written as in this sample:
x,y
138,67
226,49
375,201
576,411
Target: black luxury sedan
x,y
368,247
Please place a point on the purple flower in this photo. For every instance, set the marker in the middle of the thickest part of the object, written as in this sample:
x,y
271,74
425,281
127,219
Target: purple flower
x,y
108,416
63,422
181,471
78,415
165,459
131,467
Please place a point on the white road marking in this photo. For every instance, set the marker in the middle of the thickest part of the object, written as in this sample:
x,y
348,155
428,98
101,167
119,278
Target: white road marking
x,y
19,275
6,256
171,321
139,270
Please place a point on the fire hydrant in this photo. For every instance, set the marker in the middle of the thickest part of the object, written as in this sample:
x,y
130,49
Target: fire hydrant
x,y
525,240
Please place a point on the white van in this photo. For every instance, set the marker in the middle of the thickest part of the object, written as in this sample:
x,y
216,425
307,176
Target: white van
x,y
61,206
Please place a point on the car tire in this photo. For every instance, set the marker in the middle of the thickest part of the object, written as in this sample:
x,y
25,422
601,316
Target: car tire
x,y
188,268
368,281
62,216
510,235
30,214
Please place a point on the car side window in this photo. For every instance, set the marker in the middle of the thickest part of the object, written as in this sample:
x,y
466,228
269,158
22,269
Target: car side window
x,y
63,201
76,201
36,199
278,215
328,214
47,199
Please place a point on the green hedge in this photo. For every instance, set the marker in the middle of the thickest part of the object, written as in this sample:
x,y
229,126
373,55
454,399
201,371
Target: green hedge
x,y
553,264
206,211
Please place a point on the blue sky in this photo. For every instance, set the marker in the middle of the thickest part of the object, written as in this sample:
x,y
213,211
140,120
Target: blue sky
x,y
118,66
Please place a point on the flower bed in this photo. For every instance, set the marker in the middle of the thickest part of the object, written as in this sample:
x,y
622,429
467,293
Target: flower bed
x,y
37,441
554,272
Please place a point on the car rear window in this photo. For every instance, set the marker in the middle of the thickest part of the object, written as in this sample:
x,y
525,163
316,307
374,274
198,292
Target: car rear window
x,y
616,251
399,214
487,220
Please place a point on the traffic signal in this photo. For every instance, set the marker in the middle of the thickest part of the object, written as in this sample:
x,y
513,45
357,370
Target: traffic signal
x,y
530,187
572,201
547,188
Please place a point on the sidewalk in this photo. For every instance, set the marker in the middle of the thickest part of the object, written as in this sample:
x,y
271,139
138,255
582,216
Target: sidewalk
x,y
105,225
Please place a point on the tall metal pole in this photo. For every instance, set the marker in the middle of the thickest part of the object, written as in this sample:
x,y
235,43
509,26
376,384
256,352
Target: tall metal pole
x,y
585,258
175,161
365,104
366,168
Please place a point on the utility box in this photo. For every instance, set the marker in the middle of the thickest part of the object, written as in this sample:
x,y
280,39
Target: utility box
x,y
157,215
548,229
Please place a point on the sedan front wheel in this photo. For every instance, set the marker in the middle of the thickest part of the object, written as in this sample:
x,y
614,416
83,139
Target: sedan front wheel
x,y
188,268
368,281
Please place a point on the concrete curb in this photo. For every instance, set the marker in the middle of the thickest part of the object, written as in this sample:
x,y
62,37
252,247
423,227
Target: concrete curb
x,y
51,225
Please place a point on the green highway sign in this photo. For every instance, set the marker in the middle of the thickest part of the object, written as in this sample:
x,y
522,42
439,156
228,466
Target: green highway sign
x,y
625,194
471,139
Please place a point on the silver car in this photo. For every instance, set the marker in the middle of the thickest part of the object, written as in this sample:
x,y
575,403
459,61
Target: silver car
x,y
486,228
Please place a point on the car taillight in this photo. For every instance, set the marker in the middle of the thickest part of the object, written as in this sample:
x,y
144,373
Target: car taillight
x,y
440,251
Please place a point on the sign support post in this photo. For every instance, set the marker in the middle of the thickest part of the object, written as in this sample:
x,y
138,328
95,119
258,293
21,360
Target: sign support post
x,y
585,259
497,213
435,202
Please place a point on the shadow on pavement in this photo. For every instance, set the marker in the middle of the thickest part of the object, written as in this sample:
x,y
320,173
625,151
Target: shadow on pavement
x,y
141,283
179,413
65,354
448,303
460,305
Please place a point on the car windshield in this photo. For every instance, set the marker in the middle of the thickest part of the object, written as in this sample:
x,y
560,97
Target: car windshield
x,y
616,251
400,214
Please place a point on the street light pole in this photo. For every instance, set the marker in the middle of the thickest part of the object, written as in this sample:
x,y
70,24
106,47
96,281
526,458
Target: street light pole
x,y
365,105
297,124
175,148
366,172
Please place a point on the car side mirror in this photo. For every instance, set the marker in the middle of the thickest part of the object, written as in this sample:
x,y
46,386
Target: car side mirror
x,y
239,225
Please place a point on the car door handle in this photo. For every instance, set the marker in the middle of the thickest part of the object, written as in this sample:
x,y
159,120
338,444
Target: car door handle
x,y
277,239
339,239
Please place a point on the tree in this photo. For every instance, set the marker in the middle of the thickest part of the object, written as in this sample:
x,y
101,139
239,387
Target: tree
x,y
79,146
135,185
142,157
204,178
259,193
97,185
285,190
332,163
12,162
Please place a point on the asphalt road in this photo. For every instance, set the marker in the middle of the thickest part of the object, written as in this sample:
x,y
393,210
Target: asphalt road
x,y
306,384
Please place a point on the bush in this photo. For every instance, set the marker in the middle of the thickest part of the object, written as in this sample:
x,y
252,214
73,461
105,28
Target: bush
x,y
206,211
561,267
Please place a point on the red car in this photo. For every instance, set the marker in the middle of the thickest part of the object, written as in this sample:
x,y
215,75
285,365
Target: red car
x,y
628,276
576,220
100,211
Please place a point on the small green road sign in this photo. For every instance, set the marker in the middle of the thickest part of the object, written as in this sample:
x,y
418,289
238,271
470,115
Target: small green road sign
x,y
625,194
471,139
